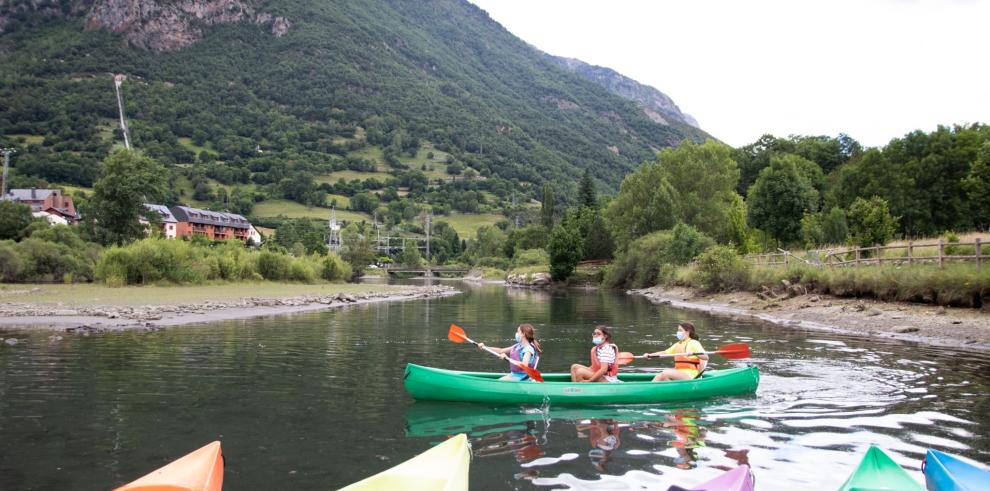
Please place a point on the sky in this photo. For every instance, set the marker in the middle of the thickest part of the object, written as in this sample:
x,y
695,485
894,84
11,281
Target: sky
x,y
872,69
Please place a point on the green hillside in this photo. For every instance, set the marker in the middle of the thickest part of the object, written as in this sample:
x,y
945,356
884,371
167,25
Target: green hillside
x,y
382,79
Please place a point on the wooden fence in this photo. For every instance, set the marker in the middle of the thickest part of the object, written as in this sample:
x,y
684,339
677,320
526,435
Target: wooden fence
x,y
913,253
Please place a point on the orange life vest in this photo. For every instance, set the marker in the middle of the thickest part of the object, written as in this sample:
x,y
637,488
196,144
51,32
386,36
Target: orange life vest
x,y
613,368
682,362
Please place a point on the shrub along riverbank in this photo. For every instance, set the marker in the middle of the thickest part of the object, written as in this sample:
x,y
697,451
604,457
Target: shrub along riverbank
x,y
959,285
176,261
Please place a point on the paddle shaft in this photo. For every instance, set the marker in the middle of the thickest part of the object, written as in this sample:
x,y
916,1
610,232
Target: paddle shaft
x,y
496,353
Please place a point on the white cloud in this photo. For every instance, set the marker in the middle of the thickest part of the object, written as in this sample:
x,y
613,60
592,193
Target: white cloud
x,y
874,69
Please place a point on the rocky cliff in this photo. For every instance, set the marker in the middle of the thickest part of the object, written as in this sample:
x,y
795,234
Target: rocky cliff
x,y
154,25
656,105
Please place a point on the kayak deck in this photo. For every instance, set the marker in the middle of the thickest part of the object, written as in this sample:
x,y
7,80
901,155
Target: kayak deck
x,y
441,468
200,470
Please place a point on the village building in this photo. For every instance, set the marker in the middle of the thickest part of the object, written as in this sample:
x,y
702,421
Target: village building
x,y
166,222
50,204
213,225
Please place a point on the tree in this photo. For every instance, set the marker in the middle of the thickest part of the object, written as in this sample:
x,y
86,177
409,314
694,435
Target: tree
x,y
977,186
357,251
705,177
870,222
14,218
588,197
410,256
565,252
490,242
779,199
546,210
127,181
646,203
598,241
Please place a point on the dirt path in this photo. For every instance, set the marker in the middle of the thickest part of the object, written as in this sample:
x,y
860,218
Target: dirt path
x,y
929,324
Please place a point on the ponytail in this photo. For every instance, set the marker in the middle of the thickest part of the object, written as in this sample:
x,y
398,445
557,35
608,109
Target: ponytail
x,y
530,334
689,327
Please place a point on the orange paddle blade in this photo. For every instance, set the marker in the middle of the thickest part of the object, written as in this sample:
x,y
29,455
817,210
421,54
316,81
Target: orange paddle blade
x,y
625,357
456,334
734,351
533,373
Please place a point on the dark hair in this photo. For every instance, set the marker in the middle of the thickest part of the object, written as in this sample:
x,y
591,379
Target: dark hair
x,y
528,331
689,327
607,331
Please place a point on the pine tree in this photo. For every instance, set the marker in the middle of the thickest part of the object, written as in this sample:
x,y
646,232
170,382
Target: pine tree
x,y
546,212
588,196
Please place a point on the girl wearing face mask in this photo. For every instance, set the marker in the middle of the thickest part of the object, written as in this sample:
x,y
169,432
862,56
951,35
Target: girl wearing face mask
x,y
686,367
526,350
603,366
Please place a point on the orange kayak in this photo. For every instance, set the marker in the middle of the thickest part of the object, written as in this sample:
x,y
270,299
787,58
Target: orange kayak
x,y
201,470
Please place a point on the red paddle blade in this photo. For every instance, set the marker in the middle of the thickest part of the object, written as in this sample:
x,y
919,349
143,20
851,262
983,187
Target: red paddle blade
x,y
533,373
456,334
625,357
734,351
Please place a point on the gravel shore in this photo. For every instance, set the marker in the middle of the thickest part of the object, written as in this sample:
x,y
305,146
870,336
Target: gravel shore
x,y
101,318
955,327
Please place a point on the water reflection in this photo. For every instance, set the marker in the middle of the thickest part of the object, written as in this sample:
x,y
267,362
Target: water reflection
x,y
316,401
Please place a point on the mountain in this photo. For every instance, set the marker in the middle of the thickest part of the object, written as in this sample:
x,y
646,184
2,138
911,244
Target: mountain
x,y
258,91
657,105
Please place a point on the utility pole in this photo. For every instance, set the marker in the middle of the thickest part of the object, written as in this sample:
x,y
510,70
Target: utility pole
x,y
6,164
117,80
428,222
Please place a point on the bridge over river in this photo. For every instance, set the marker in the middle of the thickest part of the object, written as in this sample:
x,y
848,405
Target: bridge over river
x,y
427,270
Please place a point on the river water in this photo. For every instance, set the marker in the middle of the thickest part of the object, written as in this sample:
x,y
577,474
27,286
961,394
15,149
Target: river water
x,y
315,401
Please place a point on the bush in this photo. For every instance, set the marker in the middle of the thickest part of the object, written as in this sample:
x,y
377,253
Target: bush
x,y
653,258
334,269
10,262
722,268
272,266
531,257
870,222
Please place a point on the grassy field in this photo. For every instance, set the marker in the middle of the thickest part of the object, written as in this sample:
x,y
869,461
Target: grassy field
x,y
350,175
342,201
291,209
94,294
467,225
188,143
28,139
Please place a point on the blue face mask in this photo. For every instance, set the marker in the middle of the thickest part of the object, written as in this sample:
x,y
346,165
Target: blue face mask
x,y
597,340
680,335
518,337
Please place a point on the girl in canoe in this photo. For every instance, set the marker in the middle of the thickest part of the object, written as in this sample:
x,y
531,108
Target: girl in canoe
x,y
686,367
526,350
604,367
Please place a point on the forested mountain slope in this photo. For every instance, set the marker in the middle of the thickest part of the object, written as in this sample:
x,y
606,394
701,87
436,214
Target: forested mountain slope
x,y
259,91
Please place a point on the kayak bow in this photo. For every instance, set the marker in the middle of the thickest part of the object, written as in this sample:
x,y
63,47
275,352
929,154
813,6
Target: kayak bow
x,y
201,470
878,472
441,468
945,472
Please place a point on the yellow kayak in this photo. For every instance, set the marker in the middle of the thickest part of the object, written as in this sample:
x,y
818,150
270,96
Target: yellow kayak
x,y
201,470
441,468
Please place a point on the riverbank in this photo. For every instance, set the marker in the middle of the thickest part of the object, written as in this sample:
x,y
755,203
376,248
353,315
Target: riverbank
x,y
953,327
95,308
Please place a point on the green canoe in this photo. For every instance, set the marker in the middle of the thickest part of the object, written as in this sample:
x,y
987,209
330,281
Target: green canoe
x,y
427,383
878,472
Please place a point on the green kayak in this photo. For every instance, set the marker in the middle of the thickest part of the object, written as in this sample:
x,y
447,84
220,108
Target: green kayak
x,y
878,472
426,383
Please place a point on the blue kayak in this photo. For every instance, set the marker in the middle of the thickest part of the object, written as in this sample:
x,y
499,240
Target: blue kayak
x,y
944,472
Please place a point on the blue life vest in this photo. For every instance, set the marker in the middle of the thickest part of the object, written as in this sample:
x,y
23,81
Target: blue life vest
x,y
516,353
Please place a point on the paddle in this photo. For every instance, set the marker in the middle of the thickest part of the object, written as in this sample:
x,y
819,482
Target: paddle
x,y
734,351
457,335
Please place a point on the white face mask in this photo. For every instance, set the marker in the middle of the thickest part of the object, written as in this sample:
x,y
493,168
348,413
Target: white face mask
x,y
680,335
518,337
597,340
